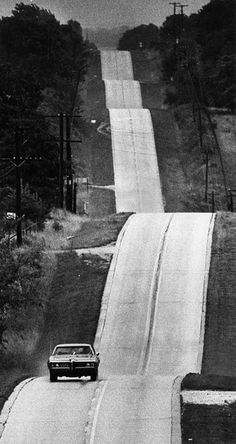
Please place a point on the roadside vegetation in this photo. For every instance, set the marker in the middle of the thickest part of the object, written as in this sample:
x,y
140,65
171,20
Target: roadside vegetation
x,y
41,64
216,423
220,337
25,277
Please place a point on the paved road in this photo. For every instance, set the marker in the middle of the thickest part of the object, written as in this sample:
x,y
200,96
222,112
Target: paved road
x,y
46,413
116,65
123,94
153,329
137,180
151,332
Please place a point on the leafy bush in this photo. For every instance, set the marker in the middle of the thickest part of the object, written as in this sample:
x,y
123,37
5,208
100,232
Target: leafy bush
x,y
25,276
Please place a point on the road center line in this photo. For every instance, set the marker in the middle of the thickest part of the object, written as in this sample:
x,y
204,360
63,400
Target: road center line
x,y
152,306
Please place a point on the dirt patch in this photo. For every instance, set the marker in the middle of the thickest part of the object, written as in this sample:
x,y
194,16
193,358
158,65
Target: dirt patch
x,y
208,424
9,379
97,232
226,132
178,195
219,356
74,305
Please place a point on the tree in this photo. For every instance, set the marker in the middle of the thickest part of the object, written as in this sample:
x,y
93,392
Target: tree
x,y
37,55
143,36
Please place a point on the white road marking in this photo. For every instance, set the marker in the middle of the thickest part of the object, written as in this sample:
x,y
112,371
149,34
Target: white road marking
x,y
96,413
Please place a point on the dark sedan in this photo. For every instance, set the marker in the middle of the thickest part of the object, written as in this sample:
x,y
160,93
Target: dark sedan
x,y
73,360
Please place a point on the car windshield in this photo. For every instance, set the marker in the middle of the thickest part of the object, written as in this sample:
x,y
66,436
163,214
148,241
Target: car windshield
x,y
73,350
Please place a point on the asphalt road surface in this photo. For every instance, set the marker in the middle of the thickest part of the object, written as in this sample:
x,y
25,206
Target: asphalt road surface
x,y
46,413
154,325
123,94
137,180
116,65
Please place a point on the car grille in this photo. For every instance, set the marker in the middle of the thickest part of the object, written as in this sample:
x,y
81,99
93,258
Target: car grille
x,y
61,364
81,364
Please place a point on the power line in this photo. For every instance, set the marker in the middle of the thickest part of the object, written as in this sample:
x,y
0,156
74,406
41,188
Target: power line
x,y
7,173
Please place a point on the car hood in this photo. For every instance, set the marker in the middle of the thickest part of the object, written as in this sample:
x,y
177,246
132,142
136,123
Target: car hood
x,y
77,358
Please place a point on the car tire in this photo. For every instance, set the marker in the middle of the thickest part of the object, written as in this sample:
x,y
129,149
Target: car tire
x,y
94,375
53,377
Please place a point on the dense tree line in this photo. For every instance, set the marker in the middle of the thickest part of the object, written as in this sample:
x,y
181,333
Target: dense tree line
x,y
143,36
201,44
41,61
205,50
38,56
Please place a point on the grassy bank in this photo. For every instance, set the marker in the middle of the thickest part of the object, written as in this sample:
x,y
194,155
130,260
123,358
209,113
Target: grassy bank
x,y
74,305
219,356
209,424
214,424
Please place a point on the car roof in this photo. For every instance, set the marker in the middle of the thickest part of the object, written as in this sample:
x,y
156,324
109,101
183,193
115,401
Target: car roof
x,y
74,345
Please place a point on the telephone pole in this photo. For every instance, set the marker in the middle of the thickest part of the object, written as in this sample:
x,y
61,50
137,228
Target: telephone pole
x,y
181,21
61,160
175,5
69,179
18,164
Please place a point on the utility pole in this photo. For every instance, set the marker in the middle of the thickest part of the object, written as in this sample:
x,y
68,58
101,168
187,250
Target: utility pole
x,y
18,163
181,27
69,185
207,174
61,159
175,4
74,198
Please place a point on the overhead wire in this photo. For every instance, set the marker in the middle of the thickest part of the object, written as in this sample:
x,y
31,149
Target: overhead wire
x,y
7,173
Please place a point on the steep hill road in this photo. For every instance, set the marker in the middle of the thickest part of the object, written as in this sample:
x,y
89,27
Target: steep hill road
x,y
137,179
152,318
154,325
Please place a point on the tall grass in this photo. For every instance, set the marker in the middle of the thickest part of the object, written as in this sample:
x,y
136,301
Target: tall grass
x,y
58,228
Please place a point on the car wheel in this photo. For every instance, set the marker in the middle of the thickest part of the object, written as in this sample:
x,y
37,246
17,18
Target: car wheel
x,y
94,375
53,377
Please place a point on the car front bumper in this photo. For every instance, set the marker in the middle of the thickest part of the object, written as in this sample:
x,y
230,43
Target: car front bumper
x,y
71,370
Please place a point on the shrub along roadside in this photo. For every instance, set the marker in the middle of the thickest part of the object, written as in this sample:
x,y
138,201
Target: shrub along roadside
x,y
25,277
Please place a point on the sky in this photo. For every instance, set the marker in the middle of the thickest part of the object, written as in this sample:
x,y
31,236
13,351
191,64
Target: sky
x,y
107,13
